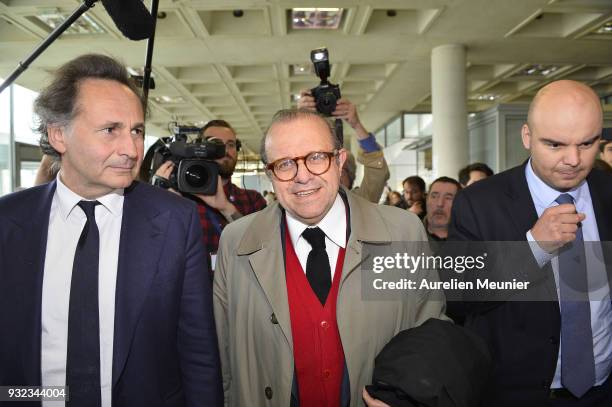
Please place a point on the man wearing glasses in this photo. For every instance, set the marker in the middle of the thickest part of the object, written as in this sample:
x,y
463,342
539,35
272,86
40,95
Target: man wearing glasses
x,y
230,202
292,325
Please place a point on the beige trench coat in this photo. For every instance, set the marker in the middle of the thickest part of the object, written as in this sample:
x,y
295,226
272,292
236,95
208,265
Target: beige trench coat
x,y
252,312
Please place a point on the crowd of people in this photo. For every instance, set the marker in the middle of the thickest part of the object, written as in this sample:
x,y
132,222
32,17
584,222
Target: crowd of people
x,y
132,295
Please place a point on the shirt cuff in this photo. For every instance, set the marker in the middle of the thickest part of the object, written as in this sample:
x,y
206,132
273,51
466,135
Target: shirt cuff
x,y
369,144
541,256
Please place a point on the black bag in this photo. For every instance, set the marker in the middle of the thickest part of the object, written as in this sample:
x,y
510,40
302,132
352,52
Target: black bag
x,y
437,364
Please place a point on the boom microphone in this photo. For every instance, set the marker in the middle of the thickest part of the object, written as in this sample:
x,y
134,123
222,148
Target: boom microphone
x,y
131,18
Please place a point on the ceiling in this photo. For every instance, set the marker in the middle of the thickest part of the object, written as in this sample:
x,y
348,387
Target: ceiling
x,y
209,63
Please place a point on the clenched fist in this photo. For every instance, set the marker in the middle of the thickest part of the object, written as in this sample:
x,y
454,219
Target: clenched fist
x,y
557,226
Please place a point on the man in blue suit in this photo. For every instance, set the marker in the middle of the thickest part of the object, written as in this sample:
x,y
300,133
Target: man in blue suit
x,y
103,280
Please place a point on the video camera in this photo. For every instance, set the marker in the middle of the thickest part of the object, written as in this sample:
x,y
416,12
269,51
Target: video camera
x,y
194,171
326,94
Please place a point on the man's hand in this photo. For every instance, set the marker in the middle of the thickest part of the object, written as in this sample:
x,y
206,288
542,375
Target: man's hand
x,y
164,172
557,226
306,101
345,110
372,402
219,201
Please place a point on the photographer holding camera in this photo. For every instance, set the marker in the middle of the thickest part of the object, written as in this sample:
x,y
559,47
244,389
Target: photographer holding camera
x,y
229,202
370,154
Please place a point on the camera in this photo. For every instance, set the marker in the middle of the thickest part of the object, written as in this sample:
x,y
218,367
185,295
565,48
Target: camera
x,y
195,171
326,94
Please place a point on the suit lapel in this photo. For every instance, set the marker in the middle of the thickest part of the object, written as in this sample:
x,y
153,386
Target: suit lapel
x,y
263,246
601,198
522,208
269,268
366,226
142,237
31,245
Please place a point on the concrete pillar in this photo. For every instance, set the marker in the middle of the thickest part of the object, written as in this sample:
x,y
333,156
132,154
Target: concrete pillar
x,y
449,109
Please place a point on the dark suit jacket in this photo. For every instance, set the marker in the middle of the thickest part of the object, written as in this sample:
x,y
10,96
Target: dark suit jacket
x,y
523,336
165,348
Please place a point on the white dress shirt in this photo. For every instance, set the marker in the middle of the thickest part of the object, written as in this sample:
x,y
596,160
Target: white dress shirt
x,y
543,197
333,225
66,222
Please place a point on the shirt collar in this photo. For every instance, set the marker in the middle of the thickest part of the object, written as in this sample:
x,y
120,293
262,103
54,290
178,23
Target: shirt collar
x,y
67,199
333,224
543,195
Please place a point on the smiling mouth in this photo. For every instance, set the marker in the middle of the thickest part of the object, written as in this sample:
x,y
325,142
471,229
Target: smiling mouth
x,y
306,193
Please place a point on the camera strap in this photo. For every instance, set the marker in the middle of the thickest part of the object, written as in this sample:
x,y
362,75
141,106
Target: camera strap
x,y
339,131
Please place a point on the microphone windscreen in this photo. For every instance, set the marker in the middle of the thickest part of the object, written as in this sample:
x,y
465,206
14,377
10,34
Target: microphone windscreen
x,y
131,18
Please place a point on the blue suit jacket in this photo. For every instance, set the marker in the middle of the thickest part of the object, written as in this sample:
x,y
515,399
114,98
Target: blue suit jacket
x,y
165,347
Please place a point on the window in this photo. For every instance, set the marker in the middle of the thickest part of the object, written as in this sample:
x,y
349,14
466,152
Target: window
x,y
380,137
411,125
5,139
23,116
27,173
394,131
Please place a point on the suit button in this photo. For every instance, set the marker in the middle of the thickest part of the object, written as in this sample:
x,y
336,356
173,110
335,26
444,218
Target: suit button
x,y
326,373
268,392
545,384
273,319
553,340
324,324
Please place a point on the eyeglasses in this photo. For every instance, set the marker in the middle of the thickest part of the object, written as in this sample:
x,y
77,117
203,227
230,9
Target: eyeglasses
x,y
317,163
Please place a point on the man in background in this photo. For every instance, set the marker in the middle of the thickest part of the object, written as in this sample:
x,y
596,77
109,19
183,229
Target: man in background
x,y
414,195
474,172
605,147
229,202
439,203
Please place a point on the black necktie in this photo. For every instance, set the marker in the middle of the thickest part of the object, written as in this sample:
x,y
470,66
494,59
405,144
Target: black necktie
x,y
577,359
83,355
318,271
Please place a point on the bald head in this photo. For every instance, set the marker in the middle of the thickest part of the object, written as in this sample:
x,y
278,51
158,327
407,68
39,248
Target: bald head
x,y
562,133
561,97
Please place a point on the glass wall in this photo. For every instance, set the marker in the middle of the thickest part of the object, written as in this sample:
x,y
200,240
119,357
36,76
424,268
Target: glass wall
x,y
380,137
23,100
27,173
5,135
394,131
405,126
20,122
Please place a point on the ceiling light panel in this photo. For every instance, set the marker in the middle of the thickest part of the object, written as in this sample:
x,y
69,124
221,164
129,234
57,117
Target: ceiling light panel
x,y
85,25
309,18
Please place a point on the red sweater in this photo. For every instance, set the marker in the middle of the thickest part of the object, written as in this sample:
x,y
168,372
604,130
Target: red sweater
x,y
317,348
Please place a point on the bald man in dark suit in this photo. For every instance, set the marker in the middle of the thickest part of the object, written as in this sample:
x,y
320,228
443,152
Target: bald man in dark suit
x,y
548,353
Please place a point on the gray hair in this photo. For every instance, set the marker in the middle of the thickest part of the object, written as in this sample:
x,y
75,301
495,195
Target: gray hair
x,y
287,115
56,105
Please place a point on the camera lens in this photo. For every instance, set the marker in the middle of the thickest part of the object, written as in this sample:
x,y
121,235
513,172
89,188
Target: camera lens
x,y
196,176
